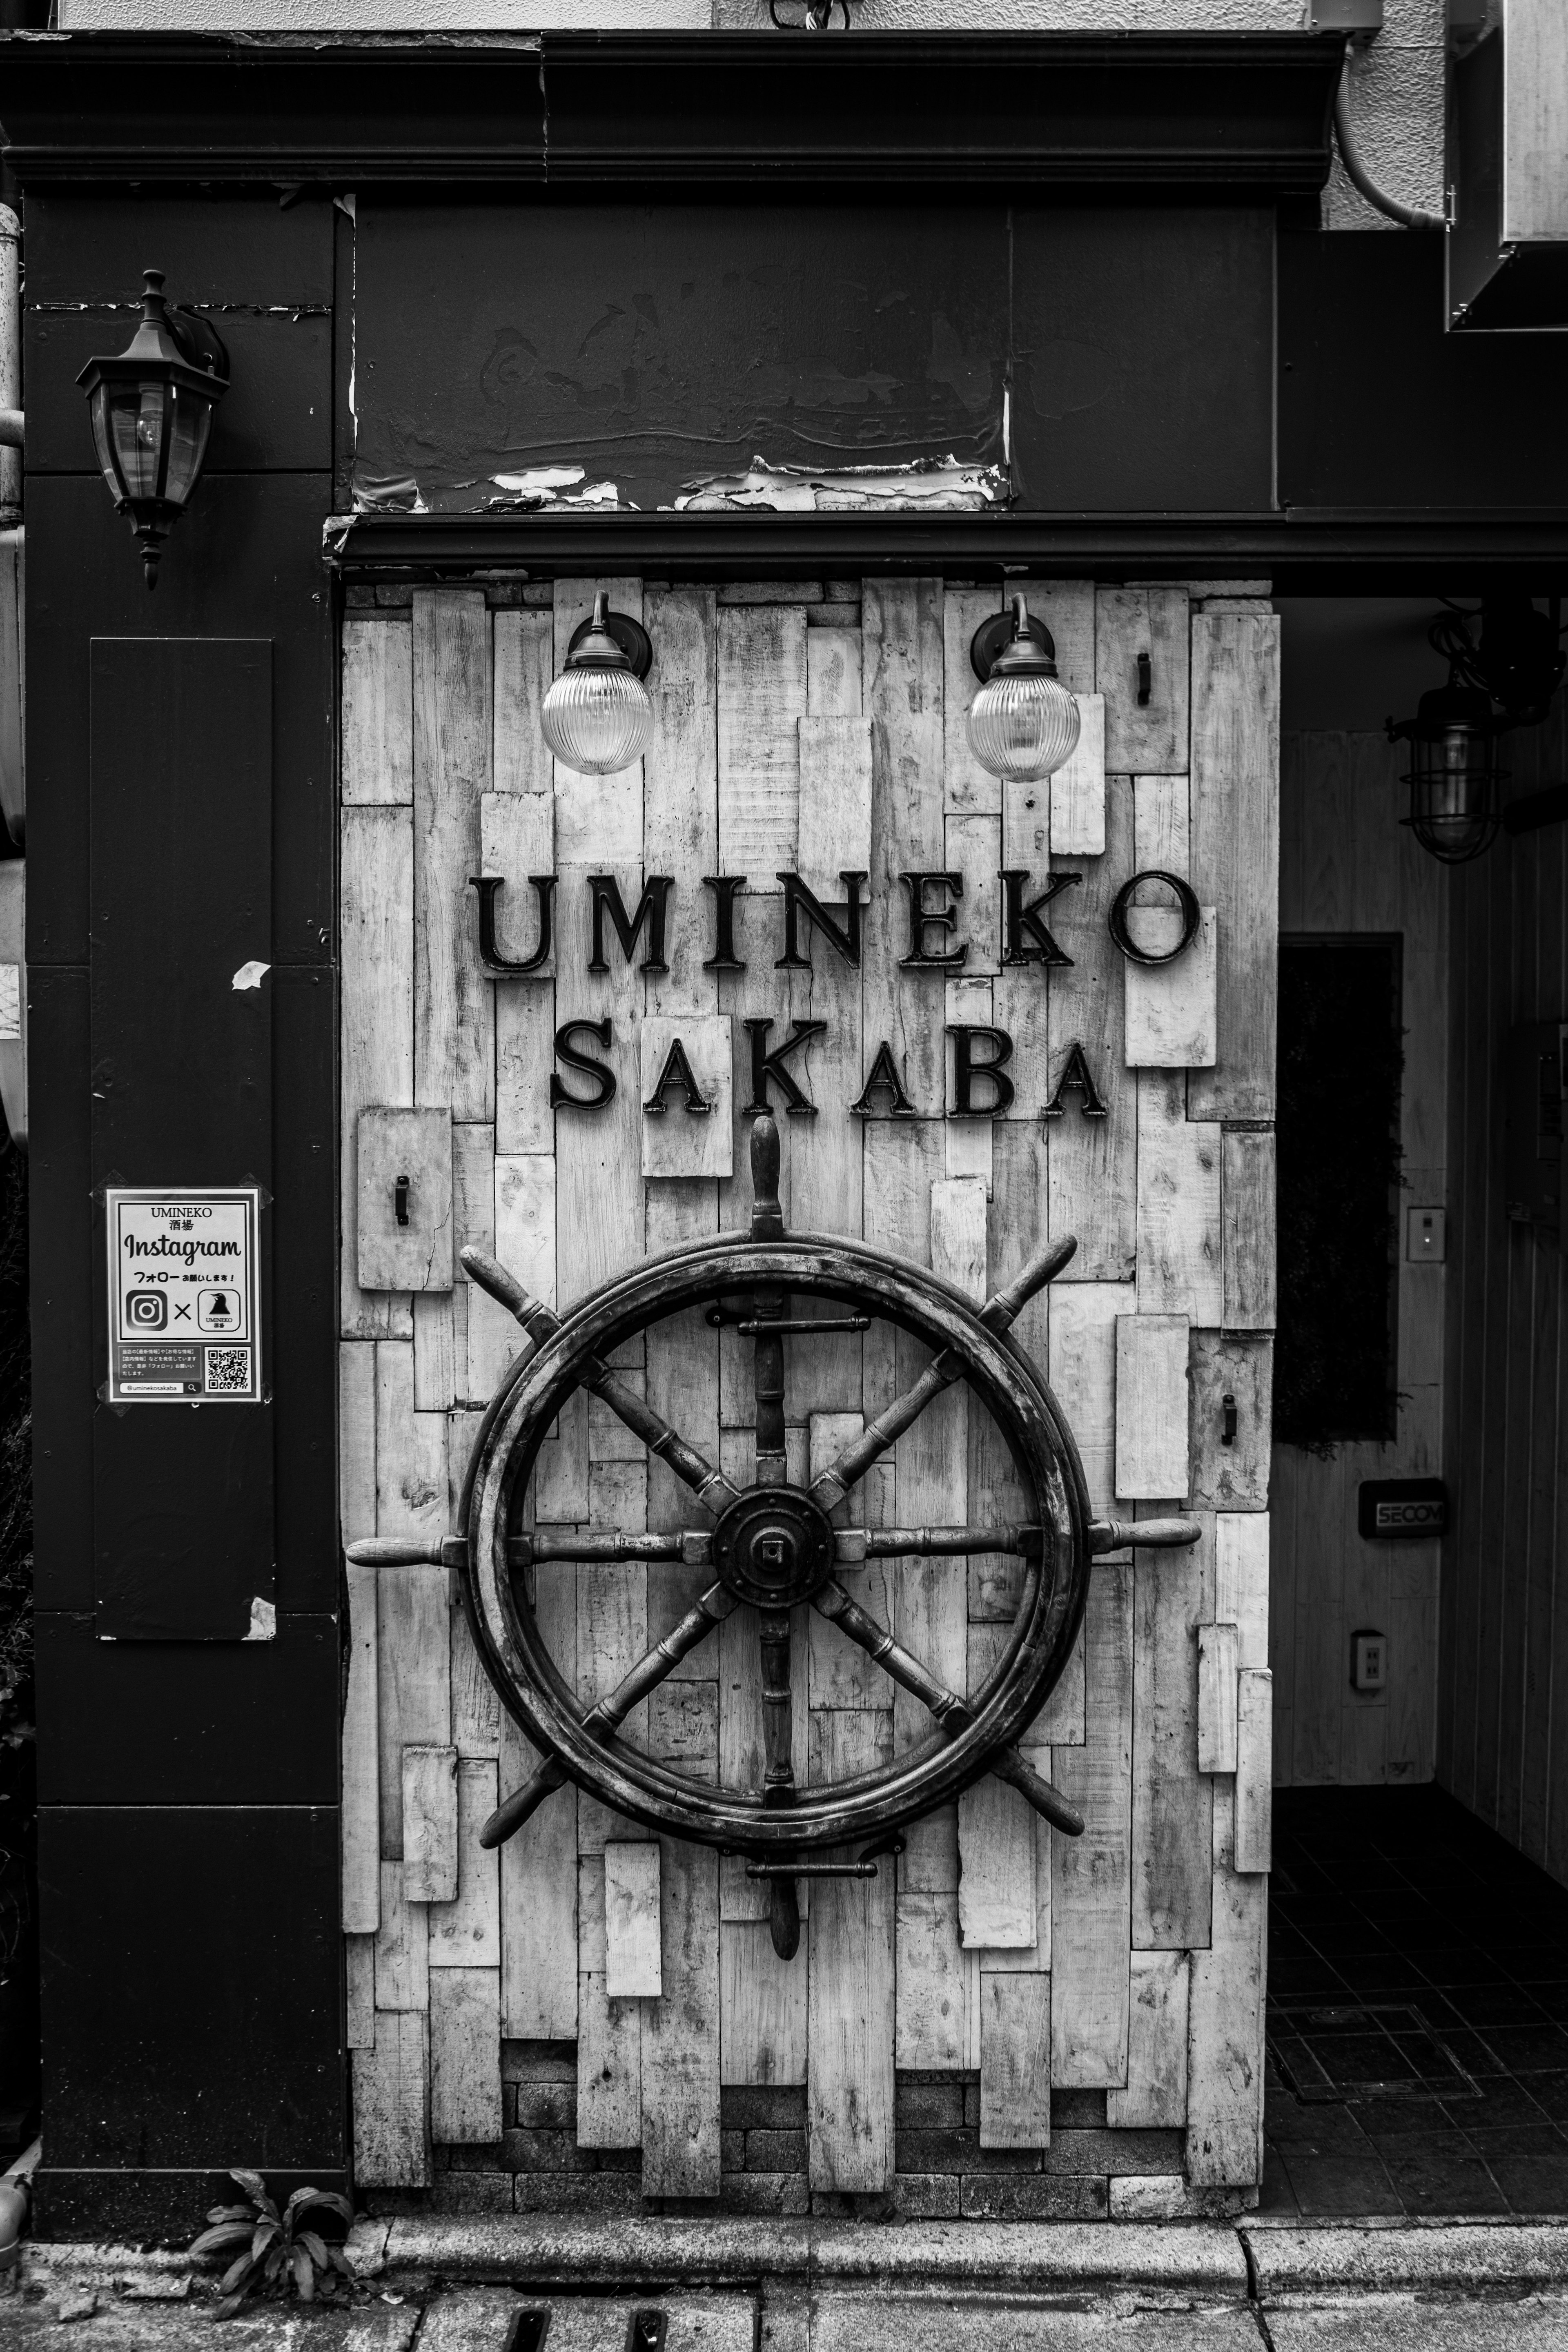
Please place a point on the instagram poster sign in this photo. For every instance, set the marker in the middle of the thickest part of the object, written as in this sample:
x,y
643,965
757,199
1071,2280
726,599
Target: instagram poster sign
x,y
184,1322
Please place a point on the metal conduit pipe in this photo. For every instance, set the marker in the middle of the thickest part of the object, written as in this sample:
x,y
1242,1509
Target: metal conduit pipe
x,y
10,368
1407,215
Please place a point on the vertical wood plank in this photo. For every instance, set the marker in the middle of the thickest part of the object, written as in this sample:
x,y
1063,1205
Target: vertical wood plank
x,y
1217,1698
465,1933
516,839
762,675
377,712
1241,1581
995,1837
609,2033
681,2034
1151,1407
356,1440
1091,1888
762,2008
402,1946
1254,1770
1225,2027
410,1451
1085,1317
1015,2061
1171,1009
413,1680
375,1027
1155,2098
1235,848
1246,1191
850,2011
391,2114
359,1991
1143,738
465,2057
1093,1174
429,1824
1077,787
361,1761
933,1974
680,786
1172,1805
454,1015
632,1969
539,1864
1180,1248
524,664
903,692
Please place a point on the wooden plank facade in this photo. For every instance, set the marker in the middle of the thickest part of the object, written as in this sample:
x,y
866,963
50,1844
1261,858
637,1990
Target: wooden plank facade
x,y
817,728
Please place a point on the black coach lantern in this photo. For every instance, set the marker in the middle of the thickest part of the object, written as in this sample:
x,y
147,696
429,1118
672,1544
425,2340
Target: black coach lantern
x,y
152,412
1453,773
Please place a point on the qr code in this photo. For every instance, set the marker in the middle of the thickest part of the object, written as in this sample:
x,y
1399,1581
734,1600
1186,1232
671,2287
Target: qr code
x,y
228,1371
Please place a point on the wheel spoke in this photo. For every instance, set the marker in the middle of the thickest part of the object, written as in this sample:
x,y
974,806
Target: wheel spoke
x,y
602,1720
767,1346
953,1714
778,1775
852,1545
997,1314
542,1323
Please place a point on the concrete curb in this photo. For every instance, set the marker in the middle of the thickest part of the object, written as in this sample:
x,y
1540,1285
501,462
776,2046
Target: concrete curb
x,y
1205,2257
1456,2257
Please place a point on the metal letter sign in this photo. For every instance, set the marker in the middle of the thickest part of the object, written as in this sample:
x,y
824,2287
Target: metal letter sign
x,y
184,1304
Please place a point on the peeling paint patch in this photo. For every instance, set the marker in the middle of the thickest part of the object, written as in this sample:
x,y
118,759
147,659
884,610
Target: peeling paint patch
x,y
263,1622
552,486
335,530
250,975
386,494
930,485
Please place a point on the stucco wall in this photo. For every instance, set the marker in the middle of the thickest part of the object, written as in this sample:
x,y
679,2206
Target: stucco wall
x,y
1398,80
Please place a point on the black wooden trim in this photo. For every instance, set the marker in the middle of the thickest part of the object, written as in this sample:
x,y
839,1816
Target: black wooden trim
x,y
1189,111
1319,551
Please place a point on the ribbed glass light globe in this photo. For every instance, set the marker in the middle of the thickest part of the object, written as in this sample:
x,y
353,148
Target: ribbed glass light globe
x,y
1022,725
597,719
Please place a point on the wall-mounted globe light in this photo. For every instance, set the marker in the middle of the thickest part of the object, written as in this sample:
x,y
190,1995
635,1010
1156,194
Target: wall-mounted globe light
x,y
1023,722
597,717
152,412
1454,773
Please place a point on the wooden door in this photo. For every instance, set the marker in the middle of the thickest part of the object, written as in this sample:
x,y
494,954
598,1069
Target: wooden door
x,y
817,729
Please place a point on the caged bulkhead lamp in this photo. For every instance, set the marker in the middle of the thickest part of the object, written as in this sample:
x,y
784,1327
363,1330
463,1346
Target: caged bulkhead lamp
x,y
1454,773
152,412
1024,722
1504,680
597,718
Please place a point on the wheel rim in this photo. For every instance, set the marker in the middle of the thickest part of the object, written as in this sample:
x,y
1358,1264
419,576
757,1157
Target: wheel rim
x,y
822,1815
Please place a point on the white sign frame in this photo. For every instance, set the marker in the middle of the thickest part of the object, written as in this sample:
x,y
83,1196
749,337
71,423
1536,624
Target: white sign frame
x,y
193,1257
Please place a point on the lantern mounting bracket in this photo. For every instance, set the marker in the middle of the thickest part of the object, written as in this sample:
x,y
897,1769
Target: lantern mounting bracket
x,y
630,635
992,637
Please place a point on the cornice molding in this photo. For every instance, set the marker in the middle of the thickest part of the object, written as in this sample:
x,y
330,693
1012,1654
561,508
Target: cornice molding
x,y
1321,551
1197,111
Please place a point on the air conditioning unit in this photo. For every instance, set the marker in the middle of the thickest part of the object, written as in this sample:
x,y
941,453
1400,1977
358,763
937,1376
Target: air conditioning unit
x,y
1508,168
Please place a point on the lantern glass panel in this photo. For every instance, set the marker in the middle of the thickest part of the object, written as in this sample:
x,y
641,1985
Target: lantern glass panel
x,y
1452,775
192,417
137,418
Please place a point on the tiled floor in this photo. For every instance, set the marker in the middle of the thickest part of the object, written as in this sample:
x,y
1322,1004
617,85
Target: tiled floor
x,y
1418,2013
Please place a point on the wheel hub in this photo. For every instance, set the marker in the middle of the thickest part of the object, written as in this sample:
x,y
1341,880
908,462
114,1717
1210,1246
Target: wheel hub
x,y
774,1546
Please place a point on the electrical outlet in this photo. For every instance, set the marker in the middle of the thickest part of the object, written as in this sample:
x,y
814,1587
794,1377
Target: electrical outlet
x,y
1425,1236
1369,1661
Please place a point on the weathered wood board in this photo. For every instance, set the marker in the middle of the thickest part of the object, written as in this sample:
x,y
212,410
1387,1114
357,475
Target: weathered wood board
x,y
813,730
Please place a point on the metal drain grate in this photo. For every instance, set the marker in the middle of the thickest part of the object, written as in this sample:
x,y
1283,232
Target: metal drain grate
x,y
1378,2050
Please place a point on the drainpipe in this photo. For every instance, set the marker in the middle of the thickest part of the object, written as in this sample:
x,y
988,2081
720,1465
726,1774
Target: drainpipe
x,y
1407,215
13,871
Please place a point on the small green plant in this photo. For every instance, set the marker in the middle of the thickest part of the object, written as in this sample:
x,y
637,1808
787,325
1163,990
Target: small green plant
x,y
282,2251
